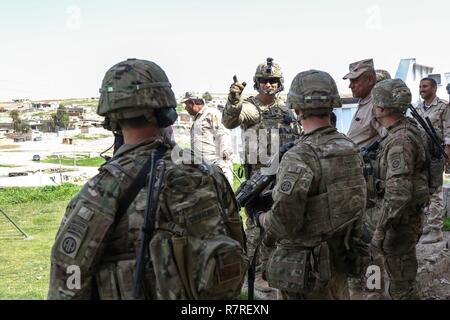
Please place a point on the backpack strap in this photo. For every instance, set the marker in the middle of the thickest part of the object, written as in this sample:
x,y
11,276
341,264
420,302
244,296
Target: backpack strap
x,y
137,184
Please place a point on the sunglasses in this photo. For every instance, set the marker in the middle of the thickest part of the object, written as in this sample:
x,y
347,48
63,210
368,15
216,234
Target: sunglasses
x,y
269,80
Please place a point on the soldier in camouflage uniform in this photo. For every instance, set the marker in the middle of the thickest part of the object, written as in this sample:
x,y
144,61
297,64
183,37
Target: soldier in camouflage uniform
x,y
402,185
136,95
365,130
437,110
266,123
210,140
319,198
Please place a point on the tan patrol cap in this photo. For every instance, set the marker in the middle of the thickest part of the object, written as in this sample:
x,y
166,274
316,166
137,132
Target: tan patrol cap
x,y
358,68
191,96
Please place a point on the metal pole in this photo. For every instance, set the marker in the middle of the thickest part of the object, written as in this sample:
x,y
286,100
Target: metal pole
x,y
15,225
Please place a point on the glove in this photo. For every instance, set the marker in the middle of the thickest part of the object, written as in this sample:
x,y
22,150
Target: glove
x,y
234,97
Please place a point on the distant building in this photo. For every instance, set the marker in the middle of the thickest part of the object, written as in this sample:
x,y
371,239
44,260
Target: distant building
x,y
411,73
6,127
76,111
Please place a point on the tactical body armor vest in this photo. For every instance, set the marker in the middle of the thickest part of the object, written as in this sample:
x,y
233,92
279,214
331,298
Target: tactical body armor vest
x,y
276,117
425,175
341,188
335,202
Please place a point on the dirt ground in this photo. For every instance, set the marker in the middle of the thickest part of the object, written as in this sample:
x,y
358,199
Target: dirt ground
x,y
17,157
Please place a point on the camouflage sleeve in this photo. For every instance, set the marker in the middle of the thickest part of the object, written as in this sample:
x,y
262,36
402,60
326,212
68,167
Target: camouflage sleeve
x,y
243,113
446,125
287,215
80,240
223,137
398,185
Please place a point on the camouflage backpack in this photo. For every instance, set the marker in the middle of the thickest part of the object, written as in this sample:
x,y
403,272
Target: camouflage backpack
x,y
191,244
200,235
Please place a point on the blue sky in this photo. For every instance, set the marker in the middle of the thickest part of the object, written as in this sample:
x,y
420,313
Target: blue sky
x,y
61,49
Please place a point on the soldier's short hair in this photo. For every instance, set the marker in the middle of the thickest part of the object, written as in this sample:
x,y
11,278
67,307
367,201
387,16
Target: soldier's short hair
x,y
372,74
432,81
136,123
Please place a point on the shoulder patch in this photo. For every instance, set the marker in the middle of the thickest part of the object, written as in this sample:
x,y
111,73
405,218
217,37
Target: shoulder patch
x,y
288,183
396,162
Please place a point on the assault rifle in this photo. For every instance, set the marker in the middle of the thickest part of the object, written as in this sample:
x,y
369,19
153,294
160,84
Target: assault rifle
x,y
251,189
253,196
437,148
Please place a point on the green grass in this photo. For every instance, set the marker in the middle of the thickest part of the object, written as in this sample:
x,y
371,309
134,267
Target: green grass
x,y
82,161
25,264
15,196
39,114
91,136
9,166
446,224
84,102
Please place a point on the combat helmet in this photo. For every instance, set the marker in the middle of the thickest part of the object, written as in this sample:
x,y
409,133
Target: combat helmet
x,y
314,92
269,69
382,75
392,94
135,88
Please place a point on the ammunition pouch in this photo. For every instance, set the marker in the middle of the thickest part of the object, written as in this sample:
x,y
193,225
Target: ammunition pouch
x,y
290,269
213,269
300,269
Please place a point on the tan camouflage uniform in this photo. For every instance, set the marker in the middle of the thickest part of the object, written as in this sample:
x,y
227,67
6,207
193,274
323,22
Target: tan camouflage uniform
x,y
257,122
440,118
211,140
364,130
252,115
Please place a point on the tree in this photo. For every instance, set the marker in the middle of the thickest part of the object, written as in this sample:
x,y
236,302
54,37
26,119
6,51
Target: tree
x,y
17,122
61,118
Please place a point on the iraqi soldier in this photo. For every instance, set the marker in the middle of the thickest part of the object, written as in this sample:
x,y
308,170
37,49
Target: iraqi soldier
x,y
319,198
437,110
95,254
266,123
402,184
210,140
364,131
